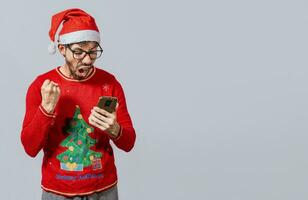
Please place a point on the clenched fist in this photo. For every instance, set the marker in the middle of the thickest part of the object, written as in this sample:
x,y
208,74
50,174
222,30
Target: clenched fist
x,y
50,92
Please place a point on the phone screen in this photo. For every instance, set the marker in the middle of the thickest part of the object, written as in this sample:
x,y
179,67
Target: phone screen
x,y
107,103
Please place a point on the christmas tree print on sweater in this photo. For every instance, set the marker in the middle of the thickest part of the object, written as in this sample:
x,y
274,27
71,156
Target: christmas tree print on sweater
x,y
78,154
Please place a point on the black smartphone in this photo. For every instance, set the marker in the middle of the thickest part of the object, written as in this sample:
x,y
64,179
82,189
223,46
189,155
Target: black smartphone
x,y
107,103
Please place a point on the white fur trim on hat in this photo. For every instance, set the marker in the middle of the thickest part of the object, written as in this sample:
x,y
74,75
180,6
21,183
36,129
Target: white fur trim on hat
x,y
52,48
79,36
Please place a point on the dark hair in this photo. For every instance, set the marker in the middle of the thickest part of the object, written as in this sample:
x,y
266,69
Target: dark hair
x,y
80,43
84,43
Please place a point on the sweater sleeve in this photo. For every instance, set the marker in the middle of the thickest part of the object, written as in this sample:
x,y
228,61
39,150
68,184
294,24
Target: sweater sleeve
x,y
36,121
127,136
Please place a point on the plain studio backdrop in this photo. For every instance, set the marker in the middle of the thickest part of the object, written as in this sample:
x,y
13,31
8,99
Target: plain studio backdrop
x,y
217,91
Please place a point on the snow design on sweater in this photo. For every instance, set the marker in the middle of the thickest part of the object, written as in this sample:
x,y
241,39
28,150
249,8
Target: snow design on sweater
x,y
78,154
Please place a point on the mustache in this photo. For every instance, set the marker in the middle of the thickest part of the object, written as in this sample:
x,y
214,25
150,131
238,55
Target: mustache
x,y
82,65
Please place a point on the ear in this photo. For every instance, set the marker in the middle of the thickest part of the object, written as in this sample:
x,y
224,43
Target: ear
x,y
62,49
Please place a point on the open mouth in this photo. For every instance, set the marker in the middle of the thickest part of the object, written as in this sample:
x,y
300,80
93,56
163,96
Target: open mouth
x,y
83,70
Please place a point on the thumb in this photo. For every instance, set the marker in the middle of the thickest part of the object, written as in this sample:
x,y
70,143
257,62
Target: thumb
x,y
54,83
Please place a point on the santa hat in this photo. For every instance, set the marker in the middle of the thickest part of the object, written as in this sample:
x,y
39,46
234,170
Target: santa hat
x,y
78,26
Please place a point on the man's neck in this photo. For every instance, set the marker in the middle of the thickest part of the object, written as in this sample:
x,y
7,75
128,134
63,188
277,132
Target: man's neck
x,y
65,70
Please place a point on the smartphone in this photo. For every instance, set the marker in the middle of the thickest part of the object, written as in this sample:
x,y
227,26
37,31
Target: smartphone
x,y
107,103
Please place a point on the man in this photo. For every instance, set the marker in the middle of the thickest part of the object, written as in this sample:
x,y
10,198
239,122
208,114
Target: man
x,y
62,117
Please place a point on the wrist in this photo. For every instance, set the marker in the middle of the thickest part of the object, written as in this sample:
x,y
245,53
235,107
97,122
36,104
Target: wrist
x,y
48,108
115,131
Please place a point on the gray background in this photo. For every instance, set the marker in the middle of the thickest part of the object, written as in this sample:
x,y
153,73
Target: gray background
x,y
217,91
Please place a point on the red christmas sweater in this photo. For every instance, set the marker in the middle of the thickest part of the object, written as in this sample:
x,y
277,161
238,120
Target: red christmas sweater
x,y
78,158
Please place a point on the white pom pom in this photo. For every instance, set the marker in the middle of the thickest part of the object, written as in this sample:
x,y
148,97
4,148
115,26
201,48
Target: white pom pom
x,y
52,48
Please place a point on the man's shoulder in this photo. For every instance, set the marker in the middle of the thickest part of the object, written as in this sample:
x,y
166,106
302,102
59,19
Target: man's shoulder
x,y
47,74
101,73
40,78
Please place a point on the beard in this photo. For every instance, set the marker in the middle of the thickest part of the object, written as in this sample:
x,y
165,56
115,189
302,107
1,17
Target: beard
x,y
80,70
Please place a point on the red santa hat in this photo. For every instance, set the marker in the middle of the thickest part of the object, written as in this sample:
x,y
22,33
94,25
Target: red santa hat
x,y
77,26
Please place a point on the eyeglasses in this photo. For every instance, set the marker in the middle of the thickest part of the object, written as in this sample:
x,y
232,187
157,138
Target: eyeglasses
x,y
80,54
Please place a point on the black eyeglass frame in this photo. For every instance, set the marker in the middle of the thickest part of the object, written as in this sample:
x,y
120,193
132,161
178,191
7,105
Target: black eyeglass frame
x,y
86,52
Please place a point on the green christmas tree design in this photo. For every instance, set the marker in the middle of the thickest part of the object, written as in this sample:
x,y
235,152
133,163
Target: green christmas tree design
x,y
78,155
